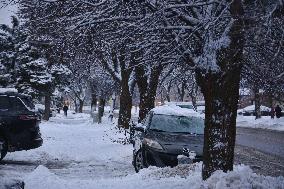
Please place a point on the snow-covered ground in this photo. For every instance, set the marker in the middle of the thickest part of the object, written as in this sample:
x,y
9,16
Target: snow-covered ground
x,y
265,122
79,154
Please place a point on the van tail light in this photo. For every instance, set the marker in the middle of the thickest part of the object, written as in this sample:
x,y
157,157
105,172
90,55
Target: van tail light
x,y
27,117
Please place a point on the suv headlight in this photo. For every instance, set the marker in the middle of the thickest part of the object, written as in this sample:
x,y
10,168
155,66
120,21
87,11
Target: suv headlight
x,y
153,144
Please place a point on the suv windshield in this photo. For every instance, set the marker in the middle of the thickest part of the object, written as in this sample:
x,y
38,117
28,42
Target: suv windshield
x,y
177,124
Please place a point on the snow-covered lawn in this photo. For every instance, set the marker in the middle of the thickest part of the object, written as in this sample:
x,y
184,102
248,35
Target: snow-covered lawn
x,y
265,122
81,155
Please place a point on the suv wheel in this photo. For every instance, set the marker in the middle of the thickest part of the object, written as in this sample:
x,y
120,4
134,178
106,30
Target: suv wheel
x,y
138,161
3,148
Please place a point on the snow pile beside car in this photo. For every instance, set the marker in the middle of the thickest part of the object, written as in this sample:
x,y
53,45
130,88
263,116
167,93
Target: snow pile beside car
x,y
7,183
185,176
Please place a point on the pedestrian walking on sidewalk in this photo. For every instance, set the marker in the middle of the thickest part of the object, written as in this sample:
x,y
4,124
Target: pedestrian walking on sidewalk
x,y
272,112
278,111
65,109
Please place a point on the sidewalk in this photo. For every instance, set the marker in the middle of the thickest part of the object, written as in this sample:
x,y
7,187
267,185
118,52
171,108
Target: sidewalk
x,y
264,122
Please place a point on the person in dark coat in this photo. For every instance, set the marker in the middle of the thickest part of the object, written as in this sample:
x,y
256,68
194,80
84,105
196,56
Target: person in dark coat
x,y
278,111
272,112
65,109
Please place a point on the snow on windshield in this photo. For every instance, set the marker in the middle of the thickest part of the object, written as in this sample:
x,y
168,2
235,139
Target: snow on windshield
x,y
175,110
178,124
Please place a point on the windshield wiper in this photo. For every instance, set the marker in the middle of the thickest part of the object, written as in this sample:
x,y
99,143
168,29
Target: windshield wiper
x,y
157,130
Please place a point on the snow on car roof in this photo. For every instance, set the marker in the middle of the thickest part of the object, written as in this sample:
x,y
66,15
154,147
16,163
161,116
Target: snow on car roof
x,y
198,103
175,110
8,90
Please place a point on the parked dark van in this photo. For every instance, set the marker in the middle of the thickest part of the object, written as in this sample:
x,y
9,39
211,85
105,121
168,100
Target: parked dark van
x,y
19,123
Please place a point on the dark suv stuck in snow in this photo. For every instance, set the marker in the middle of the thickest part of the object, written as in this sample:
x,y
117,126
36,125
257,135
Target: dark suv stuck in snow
x,y
166,133
19,123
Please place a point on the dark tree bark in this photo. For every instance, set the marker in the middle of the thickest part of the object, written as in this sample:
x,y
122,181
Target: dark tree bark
x,y
125,101
147,89
168,95
94,102
101,109
76,106
118,60
168,92
257,102
81,104
142,84
47,103
221,93
153,85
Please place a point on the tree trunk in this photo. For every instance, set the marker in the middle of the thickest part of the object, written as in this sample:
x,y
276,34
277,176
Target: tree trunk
x,y
153,85
181,91
221,93
168,97
147,90
257,103
47,103
94,103
220,122
76,106
113,101
81,104
193,97
125,102
101,109
168,92
142,84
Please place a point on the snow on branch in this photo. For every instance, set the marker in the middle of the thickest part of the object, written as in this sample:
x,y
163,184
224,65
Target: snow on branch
x,y
194,4
208,60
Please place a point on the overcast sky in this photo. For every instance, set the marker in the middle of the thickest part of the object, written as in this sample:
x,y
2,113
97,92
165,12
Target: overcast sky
x,y
6,13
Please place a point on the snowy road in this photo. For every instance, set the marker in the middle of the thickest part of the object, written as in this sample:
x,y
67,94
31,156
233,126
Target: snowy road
x,y
264,140
262,149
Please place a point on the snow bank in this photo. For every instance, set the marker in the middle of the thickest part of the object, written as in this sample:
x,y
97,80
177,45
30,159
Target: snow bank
x,y
175,110
180,177
265,122
8,90
7,183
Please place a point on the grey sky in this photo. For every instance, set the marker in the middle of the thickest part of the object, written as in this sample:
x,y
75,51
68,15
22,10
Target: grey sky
x,y
6,13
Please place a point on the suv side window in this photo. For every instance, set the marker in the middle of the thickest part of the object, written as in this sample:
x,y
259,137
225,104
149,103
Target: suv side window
x,y
4,103
18,104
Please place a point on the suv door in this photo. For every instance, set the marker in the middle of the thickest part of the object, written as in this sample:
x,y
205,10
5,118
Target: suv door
x,y
5,111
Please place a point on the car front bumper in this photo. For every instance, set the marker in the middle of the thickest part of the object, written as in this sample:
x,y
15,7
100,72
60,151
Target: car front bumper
x,y
159,159
153,157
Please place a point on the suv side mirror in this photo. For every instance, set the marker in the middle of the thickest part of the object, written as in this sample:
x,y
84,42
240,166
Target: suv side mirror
x,y
134,128
139,128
